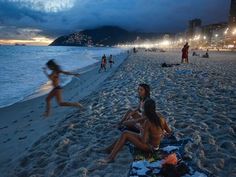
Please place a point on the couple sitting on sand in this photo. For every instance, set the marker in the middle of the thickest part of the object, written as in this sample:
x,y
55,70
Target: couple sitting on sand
x,y
144,127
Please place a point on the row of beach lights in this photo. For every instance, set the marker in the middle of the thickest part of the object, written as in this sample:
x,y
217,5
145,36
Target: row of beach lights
x,y
167,43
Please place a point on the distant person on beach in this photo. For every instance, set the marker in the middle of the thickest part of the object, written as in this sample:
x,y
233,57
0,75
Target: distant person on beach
x,y
57,89
103,63
111,61
148,140
195,54
134,50
206,55
164,65
185,53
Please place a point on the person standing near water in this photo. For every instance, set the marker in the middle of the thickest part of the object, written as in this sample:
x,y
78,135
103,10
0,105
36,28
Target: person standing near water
x,y
111,61
57,89
103,63
185,53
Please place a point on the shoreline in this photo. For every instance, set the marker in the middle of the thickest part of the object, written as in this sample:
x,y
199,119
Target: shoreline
x,y
22,123
72,79
30,85
42,91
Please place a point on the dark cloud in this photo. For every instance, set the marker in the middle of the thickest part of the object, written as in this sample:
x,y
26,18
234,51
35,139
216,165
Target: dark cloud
x,y
58,17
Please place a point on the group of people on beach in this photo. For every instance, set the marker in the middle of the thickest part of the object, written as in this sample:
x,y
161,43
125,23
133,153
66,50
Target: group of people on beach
x,y
185,50
142,126
206,55
104,62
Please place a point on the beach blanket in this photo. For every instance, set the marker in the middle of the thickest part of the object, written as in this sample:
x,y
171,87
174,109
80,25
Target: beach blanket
x,y
151,164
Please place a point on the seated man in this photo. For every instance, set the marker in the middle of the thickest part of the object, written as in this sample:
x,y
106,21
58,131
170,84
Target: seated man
x,y
148,139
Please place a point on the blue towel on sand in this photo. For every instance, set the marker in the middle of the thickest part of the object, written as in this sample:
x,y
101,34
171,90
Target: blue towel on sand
x,y
153,166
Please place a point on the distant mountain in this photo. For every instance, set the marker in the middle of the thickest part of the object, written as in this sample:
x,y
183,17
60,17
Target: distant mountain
x,y
102,36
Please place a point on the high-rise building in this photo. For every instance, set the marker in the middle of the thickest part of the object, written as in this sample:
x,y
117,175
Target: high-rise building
x,y
232,14
230,32
194,26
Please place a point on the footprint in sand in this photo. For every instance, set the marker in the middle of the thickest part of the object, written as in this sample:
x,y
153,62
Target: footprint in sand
x,y
15,121
26,116
3,127
7,140
28,125
51,126
22,138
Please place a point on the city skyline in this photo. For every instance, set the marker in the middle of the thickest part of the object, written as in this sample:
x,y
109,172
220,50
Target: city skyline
x,y
39,22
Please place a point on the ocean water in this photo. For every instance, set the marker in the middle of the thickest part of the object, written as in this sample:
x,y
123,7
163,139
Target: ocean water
x,y
21,74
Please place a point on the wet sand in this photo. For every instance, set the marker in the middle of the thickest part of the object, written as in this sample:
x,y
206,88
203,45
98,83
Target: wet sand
x,y
198,100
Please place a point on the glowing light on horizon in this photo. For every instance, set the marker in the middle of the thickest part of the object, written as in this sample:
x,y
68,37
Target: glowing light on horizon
x,y
234,31
226,31
165,43
34,41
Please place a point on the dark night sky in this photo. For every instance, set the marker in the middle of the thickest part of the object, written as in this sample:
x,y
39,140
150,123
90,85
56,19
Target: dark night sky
x,y
24,19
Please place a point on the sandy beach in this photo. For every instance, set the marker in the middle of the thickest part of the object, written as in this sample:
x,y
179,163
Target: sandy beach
x,y
197,99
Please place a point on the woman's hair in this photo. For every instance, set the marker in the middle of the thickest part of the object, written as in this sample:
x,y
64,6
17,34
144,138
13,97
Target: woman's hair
x,y
147,90
51,64
150,112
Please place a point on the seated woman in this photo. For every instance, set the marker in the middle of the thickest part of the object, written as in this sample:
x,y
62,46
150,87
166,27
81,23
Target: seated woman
x,y
150,137
144,94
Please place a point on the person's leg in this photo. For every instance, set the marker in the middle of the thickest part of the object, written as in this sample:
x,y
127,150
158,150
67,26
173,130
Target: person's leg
x,y
126,116
130,126
109,148
133,138
62,103
48,102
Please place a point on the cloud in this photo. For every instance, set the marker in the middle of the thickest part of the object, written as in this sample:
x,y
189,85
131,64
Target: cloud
x,y
44,6
58,17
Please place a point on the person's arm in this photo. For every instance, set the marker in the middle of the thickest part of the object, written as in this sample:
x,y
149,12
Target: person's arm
x,y
133,121
166,127
70,73
137,108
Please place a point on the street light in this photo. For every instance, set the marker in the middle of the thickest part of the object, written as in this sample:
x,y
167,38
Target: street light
x,y
234,31
226,31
